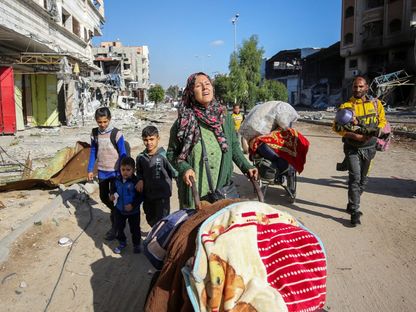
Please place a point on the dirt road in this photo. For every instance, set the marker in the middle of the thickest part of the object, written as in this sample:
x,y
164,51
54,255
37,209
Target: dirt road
x,y
370,268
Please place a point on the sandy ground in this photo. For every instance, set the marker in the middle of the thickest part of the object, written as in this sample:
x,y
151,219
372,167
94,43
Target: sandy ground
x,y
370,268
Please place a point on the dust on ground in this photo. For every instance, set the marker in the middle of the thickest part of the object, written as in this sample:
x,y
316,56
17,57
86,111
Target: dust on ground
x,y
370,268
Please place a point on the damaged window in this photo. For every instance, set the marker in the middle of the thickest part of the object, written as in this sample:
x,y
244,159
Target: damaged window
x,y
348,38
97,4
76,28
349,12
353,63
283,65
400,55
371,4
373,30
395,26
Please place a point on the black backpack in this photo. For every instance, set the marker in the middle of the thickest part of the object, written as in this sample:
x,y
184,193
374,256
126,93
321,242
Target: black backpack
x,y
113,136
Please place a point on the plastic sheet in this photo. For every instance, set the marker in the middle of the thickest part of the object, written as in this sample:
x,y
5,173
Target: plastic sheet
x,y
266,117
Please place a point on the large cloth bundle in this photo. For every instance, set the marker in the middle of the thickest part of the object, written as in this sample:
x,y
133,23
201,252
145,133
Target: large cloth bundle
x,y
252,257
266,117
288,144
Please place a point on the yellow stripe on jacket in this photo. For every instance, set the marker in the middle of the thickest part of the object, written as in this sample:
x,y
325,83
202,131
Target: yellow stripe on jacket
x,y
365,112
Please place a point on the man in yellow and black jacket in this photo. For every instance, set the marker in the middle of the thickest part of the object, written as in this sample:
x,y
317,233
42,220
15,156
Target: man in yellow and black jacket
x,y
360,149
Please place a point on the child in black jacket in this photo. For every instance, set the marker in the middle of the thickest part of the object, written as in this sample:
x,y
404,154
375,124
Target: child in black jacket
x,y
155,175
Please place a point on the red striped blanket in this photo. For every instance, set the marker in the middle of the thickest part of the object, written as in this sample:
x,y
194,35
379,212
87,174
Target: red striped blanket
x,y
252,257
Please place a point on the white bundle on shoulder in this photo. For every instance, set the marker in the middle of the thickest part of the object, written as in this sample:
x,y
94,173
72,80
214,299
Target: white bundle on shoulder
x,y
266,117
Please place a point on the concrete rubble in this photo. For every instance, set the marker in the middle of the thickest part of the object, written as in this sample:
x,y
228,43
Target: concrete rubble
x,y
402,119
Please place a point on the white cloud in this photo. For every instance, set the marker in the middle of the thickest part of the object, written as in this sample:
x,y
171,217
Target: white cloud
x,y
217,43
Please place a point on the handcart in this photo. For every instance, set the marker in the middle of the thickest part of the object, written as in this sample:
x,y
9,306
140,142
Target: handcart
x,y
274,170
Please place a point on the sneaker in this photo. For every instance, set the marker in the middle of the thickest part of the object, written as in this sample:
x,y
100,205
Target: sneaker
x,y
137,249
355,218
119,248
350,210
110,235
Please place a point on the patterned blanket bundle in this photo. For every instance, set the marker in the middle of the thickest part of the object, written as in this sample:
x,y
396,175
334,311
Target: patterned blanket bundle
x,y
253,257
289,144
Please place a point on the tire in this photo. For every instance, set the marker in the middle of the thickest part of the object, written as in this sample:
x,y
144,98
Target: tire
x,y
292,182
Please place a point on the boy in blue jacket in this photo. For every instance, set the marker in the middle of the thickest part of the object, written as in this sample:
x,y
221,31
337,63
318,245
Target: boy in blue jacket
x,y
127,203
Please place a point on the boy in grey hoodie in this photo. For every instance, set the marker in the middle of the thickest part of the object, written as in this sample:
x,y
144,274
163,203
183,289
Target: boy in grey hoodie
x,y
155,175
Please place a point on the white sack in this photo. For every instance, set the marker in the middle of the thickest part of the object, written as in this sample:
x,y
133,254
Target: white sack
x,y
266,117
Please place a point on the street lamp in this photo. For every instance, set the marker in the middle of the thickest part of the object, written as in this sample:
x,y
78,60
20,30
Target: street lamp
x,y
234,22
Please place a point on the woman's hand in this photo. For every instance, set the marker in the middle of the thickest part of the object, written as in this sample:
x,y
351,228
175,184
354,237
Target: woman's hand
x,y
90,176
187,177
253,173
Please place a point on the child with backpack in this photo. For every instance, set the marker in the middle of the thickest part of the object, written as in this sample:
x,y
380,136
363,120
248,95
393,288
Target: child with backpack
x,y
127,204
155,175
107,149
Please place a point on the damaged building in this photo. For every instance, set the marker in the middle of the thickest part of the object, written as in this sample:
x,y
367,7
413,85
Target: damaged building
x,y
378,41
45,50
322,74
285,67
312,76
124,66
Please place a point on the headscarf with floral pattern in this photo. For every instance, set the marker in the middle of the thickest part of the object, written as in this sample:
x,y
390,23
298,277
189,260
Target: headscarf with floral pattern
x,y
191,112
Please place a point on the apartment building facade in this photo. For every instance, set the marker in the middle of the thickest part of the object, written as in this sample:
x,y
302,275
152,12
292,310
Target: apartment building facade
x,y
127,64
377,37
44,46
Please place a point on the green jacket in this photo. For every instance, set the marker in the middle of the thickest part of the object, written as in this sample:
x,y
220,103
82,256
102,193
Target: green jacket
x,y
234,154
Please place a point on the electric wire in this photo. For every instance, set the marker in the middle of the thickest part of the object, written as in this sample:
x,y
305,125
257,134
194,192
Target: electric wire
x,y
67,256
18,162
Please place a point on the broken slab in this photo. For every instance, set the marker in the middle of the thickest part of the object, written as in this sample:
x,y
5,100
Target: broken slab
x,y
69,166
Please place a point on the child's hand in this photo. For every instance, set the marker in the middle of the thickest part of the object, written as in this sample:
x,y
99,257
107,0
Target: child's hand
x,y
114,198
128,207
90,176
139,186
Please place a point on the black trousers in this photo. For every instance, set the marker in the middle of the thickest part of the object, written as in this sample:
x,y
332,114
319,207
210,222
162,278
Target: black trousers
x,y
104,187
359,161
134,224
155,210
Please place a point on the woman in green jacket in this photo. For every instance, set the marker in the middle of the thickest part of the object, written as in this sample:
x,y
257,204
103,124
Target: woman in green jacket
x,y
201,115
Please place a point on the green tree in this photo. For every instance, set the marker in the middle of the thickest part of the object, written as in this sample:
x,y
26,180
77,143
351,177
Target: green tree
x,y
245,72
173,92
250,61
238,88
222,89
272,90
156,94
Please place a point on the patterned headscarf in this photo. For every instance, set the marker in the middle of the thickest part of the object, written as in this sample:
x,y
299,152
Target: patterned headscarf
x,y
191,112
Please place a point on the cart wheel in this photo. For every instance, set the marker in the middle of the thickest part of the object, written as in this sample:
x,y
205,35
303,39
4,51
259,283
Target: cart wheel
x,y
291,183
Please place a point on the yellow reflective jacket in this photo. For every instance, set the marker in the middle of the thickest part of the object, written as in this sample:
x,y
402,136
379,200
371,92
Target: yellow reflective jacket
x,y
369,113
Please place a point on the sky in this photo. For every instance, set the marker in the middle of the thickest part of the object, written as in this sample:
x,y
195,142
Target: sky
x,y
190,36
